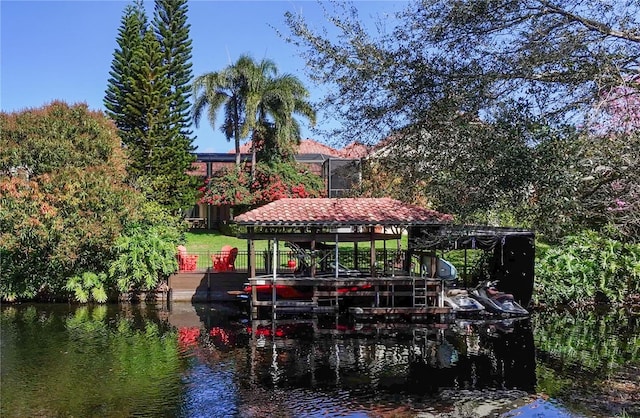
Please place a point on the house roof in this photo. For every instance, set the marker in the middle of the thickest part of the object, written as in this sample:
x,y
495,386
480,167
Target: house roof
x,y
340,212
310,146
355,150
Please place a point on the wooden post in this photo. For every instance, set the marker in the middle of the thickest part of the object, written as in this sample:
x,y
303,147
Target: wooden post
x,y
409,254
254,300
313,253
252,253
385,256
337,267
252,274
464,270
355,255
336,254
372,240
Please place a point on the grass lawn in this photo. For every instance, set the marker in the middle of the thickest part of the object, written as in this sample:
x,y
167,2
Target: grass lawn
x,y
208,242
202,241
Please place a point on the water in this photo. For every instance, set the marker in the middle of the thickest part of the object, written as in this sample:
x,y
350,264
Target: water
x,y
210,361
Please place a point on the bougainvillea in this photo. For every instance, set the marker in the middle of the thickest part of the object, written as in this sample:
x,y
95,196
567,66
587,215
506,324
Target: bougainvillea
x,y
227,187
272,182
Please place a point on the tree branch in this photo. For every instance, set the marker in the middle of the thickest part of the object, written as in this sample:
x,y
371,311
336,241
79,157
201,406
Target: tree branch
x,y
592,24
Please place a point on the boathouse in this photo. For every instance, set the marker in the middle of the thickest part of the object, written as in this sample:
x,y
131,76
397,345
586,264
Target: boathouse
x,y
333,254
322,280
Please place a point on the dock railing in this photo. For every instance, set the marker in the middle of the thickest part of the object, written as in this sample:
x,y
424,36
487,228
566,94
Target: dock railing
x,y
388,262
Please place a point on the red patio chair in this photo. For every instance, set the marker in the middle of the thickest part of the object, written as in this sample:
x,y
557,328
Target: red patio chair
x,y
186,262
225,260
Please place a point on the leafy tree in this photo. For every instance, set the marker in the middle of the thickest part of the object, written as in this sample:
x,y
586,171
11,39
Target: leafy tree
x,y
147,97
558,61
588,177
63,197
613,160
64,204
461,165
559,56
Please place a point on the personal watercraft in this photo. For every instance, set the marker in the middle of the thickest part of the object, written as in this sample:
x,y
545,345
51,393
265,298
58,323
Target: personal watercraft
x,y
460,301
496,301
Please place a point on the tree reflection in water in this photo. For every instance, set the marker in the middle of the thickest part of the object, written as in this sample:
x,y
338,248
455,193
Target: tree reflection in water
x,y
59,360
590,359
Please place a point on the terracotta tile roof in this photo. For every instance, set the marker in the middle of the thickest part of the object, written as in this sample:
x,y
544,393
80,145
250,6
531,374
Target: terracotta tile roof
x,y
340,212
310,146
354,150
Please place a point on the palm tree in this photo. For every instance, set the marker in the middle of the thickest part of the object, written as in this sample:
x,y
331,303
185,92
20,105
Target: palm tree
x,y
258,78
222,89
285,98
258,103
271,103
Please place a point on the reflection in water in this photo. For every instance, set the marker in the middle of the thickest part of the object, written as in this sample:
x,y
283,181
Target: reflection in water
x,y
590,357
208,361
59,360
382,367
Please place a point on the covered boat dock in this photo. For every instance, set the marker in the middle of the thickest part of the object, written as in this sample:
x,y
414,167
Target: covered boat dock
x,y
328,276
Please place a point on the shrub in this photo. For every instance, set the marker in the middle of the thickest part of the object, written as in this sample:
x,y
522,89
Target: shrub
x,y
585,268
272,182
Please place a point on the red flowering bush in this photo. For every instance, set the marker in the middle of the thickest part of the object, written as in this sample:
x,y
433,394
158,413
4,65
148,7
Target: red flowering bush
x,y
227,187
272,182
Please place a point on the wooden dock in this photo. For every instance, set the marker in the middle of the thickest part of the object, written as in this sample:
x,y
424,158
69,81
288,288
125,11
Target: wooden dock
x,y
205,286
364,297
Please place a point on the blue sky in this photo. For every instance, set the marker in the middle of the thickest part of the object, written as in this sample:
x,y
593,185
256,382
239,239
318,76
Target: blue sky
x,y
62,50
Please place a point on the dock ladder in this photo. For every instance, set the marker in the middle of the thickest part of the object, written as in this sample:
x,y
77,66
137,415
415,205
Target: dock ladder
x,y
426,292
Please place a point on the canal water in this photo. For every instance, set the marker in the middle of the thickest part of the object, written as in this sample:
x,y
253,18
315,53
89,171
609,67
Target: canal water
x,y
187,360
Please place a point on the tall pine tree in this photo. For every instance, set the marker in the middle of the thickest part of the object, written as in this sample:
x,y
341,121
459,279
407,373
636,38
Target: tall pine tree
x,y
148,98
172,30
132,29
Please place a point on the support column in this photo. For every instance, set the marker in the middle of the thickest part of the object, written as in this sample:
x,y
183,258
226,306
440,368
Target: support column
x,y
252,253
312,270
273,281
372,253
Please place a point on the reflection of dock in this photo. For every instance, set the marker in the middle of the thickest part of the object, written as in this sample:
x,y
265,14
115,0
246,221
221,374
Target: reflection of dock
x,y
427,357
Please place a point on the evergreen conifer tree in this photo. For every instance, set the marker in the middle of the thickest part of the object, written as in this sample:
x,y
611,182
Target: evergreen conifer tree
x,y
132,28
172,30
147,97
